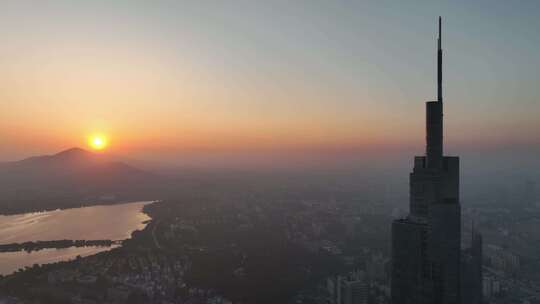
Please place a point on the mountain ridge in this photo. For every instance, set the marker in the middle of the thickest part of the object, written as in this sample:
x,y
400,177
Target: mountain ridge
x,y
71,177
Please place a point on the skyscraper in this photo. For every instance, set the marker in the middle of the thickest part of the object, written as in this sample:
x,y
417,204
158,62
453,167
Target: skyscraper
x,y
471,271
350,289
426,244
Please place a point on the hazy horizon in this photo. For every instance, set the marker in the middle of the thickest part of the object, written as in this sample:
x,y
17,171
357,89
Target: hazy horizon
x,y
184,83
256,151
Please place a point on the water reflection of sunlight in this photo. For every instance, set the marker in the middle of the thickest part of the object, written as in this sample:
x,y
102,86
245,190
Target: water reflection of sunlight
x,y
113,222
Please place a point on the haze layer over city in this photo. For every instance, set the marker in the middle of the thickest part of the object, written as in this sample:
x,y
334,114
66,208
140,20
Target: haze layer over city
x,y
269,152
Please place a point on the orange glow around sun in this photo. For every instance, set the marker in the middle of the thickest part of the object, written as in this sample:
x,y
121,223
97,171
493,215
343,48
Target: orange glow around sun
x,y
97,141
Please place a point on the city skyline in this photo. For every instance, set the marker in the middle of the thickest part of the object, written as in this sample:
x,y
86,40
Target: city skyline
x,y
263,152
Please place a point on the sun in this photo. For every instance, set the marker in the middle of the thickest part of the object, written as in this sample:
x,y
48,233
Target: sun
x,y
97,142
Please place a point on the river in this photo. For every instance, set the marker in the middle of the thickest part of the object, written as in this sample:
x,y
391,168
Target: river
x,y
111,222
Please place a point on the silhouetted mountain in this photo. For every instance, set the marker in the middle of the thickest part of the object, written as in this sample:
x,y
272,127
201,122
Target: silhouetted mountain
x,y
71,177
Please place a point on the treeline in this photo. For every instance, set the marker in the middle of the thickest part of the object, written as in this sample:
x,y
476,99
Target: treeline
x,y
57,244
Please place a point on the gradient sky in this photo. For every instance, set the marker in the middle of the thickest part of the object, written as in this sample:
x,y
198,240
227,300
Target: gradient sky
x,y
169,78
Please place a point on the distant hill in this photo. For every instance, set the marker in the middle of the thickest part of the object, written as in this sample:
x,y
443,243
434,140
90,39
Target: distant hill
x,y
69,179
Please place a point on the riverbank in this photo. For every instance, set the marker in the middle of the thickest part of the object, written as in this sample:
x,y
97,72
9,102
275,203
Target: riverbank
x,y
54,207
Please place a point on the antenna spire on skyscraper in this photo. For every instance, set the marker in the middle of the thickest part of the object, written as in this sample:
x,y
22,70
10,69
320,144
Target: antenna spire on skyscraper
x,y
440,31
439,63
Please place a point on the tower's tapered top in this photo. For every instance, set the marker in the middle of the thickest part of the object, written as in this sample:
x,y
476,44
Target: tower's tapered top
x,y
439,63
440,30
434,116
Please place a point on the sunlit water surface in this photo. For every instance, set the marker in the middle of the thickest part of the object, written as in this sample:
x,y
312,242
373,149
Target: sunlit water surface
x,y
114,222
